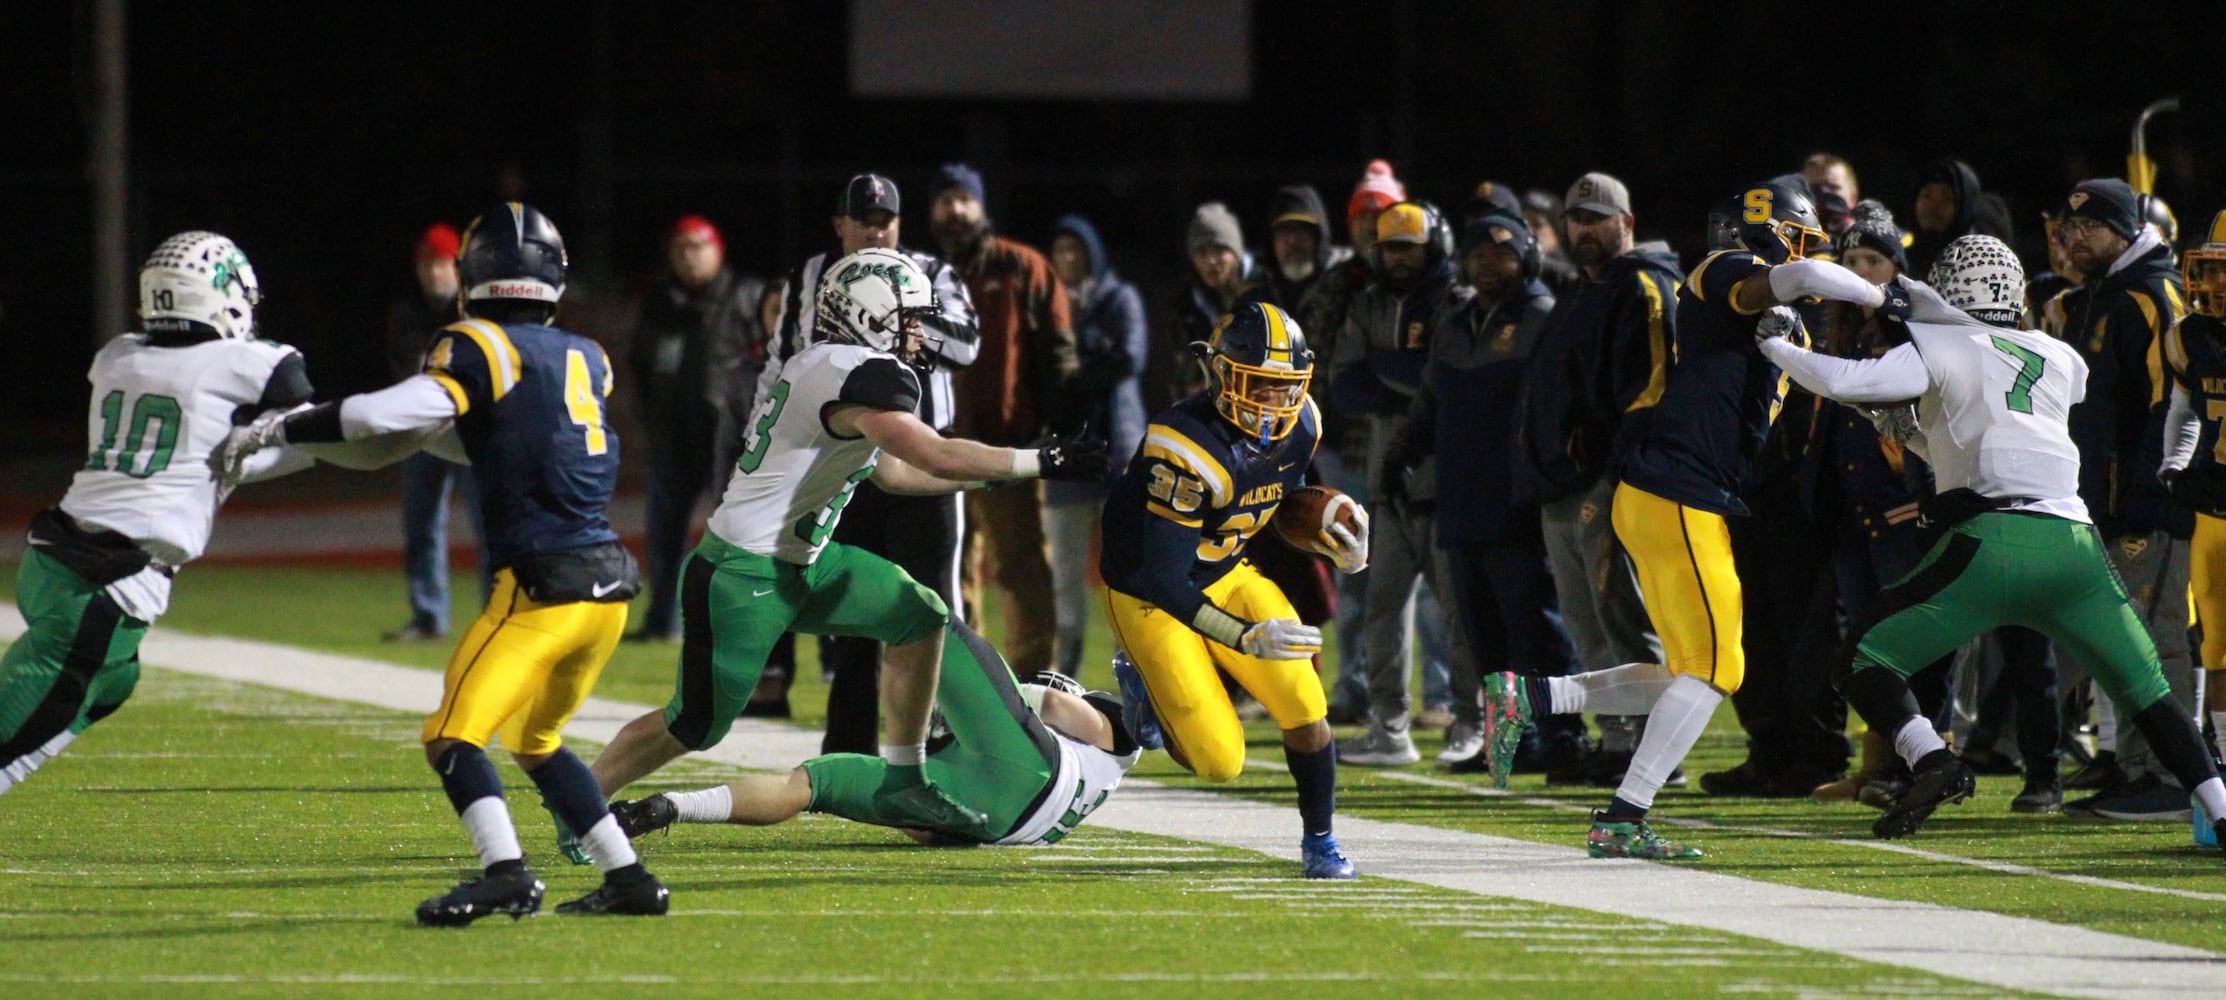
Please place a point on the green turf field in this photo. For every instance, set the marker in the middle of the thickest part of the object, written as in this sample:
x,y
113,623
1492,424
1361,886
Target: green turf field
x,y
219,839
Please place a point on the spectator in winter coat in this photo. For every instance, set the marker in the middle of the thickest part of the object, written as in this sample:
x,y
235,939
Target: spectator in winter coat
x,y
1112,342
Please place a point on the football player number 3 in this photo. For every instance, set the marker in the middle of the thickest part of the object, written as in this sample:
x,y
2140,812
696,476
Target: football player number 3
x,y
160,414
581,401
763,431
2020,396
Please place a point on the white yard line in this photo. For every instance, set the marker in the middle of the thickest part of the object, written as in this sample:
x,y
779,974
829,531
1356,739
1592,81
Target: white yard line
x,y
2003,951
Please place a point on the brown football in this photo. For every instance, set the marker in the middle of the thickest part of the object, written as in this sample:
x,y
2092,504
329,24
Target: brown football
x,y
1299,519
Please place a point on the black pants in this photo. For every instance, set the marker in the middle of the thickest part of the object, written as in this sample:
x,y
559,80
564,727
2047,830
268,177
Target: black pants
x,y
1504,600
919,534
1795,721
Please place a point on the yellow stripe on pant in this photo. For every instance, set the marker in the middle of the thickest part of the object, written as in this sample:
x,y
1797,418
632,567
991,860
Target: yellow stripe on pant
x,y
523,669
1179,669
2207,578
1683,558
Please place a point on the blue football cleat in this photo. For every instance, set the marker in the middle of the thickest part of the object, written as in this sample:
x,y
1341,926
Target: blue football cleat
x,y
1323,859
1136,705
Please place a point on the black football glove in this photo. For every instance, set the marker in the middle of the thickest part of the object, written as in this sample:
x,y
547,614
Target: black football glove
x,y
1074,460
2200,490
1897,306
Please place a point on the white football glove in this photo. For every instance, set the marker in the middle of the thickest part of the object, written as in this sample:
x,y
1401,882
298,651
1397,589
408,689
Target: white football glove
x,y
1895,421
1345,547
229,462
1281,639
1781,323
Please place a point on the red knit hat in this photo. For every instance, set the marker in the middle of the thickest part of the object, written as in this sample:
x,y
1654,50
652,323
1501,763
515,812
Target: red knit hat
x,y
1377,190
438,242
699,228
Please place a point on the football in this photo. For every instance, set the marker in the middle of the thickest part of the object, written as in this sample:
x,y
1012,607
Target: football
x,y
1304,513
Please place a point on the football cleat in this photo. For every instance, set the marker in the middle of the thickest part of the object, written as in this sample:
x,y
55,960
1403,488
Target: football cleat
x,y
1320,857
643,897
1136,705
1941,778
1634,839
1507,713
515,893
639,816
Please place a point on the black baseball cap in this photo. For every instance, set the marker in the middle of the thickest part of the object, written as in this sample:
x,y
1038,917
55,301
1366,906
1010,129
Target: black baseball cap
x,y
867,193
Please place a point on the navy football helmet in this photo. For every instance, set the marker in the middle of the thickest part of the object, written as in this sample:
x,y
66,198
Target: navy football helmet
x,y
1258,366
1775,220
512,253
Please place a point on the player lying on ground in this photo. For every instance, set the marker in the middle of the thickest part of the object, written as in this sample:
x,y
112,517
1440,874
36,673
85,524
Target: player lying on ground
x,y
1990,416
99,567
840,413
527,401
1035,758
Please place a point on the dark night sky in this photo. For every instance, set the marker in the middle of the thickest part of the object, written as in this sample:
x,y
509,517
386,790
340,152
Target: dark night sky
x,y
323,136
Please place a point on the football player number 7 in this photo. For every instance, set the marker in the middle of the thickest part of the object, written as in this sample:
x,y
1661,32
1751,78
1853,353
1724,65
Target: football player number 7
x,y
2020,396
582,403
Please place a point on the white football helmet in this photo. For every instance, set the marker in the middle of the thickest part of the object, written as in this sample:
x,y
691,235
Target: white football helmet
x,y
864,299
1979,275
199,282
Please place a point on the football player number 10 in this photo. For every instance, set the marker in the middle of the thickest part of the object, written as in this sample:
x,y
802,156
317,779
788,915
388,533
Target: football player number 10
x,y
158,413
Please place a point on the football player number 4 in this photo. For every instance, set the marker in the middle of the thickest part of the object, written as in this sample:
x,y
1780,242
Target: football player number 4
x,y
582,403
2020,396
157,414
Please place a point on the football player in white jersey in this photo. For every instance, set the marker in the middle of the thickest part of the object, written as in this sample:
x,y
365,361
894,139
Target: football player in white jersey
x,y
1036,758
98,570
2018,546
842,411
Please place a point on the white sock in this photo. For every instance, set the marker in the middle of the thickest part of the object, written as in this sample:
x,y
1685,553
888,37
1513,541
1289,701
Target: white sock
x,y
712,805
1916,738
1631,689
2212,794
2218,732
607,846
21,767
488,822
2106,726
1680,715
901,753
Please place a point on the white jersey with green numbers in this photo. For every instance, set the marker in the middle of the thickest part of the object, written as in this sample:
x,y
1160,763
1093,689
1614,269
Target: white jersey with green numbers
x,y
1995,419
796,474
157,414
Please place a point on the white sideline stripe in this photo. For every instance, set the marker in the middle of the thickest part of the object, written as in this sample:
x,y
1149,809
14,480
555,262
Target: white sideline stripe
x,y
2003,867
2013,952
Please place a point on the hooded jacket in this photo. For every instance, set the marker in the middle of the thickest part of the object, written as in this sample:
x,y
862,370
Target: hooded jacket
x,y
1112,343
1299,203
2118,325
1597,372
1976,211
1377,365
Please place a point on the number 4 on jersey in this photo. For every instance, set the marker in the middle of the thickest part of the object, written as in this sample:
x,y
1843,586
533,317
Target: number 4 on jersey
x,y
2020,396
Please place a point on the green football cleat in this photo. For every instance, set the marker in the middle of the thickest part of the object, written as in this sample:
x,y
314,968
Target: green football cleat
x,y
1507,713
1634,839
568,842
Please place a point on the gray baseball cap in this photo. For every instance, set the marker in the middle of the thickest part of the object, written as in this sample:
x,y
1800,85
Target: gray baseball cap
x,y
1598,192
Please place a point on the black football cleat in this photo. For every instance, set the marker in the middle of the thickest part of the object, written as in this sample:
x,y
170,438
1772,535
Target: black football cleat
x,y
1941,778
643,897
639,816
514,893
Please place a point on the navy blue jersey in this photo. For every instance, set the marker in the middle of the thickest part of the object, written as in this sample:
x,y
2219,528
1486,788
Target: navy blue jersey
x,y
1720,400
1198,489
2195,355
530,404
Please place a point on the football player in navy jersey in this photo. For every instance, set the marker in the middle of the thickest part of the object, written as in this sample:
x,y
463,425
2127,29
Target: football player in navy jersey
x,y
1679,482
526,400
2194,466
1184,604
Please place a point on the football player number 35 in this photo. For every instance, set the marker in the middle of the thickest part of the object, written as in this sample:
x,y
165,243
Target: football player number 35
x,y
581,401
159,414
